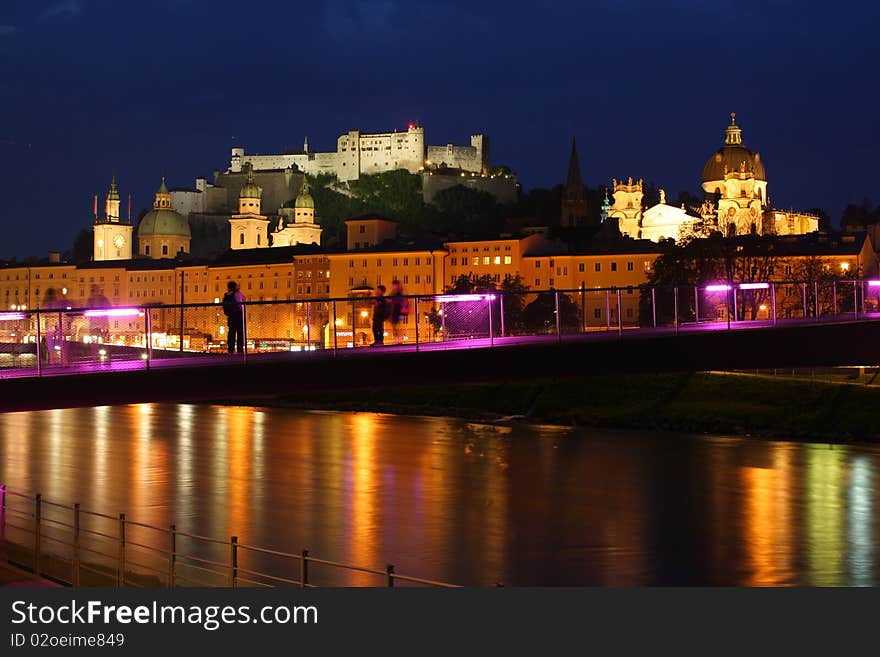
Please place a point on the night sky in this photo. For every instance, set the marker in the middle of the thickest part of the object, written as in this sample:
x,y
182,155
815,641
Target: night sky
x,y
145,89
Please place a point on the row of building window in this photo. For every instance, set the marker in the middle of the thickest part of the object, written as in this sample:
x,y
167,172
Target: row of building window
x,y
394,262
417,279
476,249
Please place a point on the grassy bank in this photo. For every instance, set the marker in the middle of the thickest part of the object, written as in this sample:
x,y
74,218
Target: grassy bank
x,y
694,402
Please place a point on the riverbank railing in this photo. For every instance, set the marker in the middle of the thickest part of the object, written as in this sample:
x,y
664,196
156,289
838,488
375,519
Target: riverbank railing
x,y
79,547
37,342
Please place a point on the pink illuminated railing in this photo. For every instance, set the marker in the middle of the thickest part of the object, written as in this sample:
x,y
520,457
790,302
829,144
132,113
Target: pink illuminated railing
x,y
37,342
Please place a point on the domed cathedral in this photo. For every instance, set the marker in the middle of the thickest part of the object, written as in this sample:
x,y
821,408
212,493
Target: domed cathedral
x,y
574,197
735,186
112,234
249,229
297,225
163,233
627,206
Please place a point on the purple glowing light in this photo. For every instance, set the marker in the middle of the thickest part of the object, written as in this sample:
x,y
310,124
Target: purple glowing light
x,y
874,283
464,297
113,312
717,288
11,317
754,286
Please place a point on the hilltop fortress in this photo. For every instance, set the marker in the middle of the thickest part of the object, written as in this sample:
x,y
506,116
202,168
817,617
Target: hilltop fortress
x,y
360,153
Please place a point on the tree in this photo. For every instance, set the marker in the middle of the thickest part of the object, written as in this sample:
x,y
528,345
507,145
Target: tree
x,y
540,315
83,246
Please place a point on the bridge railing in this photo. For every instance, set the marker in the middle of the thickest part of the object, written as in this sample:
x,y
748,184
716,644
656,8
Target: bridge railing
x,y
44,341
80,547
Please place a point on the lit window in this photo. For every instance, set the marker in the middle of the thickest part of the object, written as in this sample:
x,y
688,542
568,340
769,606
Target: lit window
x,y
507,260
476,261
485,260
497,260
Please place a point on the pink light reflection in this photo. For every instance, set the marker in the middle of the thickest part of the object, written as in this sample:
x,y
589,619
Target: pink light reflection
x,y
113,312
754,286
717,288
464,297
10,317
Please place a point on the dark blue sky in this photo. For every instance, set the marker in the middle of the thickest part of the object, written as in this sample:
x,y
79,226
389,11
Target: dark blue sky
x,y
145,89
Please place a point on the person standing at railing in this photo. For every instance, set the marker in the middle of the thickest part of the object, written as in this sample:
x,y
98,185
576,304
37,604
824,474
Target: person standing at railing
x,y
399,310
380,312
53,330
233,307
99,327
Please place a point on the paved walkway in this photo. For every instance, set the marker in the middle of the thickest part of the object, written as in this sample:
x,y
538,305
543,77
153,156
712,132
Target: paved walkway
x,y
12,576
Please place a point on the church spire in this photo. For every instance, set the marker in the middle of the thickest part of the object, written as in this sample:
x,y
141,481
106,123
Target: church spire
x,y
111,205
574,198
574,168
114,190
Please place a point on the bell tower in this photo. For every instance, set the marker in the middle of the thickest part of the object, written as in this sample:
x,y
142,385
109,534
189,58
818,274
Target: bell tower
x,y
112,235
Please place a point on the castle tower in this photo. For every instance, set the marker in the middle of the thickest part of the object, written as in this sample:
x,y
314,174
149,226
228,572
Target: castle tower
x,y
249,229
574,198
112,236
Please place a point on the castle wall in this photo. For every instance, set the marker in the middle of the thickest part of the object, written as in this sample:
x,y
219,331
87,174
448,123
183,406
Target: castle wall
x,y
186,201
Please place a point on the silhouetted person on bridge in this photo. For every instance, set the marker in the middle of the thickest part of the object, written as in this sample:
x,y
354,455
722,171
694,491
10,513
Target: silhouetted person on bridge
x,y
380,312
233,307
98,326
399,310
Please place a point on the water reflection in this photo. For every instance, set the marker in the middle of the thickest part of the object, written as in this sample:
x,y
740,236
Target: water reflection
x,y
466,502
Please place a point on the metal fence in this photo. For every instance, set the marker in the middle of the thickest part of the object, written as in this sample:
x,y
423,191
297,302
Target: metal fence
x,y
38,342
79,547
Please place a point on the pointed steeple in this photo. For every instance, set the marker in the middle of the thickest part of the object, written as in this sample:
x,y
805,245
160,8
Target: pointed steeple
x,y
111,205
574,198
306,144
113,195
574,168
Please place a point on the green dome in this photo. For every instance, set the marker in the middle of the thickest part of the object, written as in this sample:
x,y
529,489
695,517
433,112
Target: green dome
x,y
250,190
304,200
163,222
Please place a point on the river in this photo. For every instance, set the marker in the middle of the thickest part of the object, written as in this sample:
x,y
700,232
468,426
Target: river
x,y
468,503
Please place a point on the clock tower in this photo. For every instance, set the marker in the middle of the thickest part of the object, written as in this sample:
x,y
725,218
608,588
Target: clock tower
x,y
112,234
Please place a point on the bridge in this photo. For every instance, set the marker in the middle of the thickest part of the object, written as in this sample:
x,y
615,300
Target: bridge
x,y
453,340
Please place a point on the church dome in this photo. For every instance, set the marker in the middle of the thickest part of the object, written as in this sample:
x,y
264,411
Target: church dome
x,y
163,222
304,200
733,156
162,219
